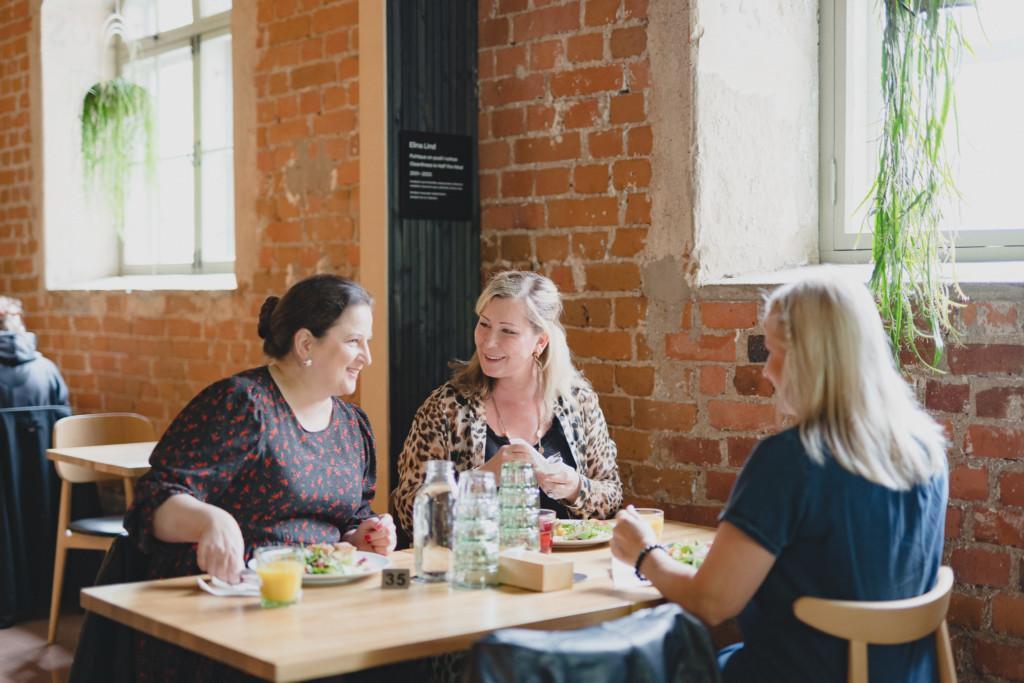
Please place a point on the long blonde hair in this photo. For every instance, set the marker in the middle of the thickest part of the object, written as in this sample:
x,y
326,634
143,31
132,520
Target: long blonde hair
x,y
544,311
842,386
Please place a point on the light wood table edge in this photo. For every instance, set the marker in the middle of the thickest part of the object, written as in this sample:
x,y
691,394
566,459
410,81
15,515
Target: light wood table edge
x,y
115,470
344,662
301,670
260,668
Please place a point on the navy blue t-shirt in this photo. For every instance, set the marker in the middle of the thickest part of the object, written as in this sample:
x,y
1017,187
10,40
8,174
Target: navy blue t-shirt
x,y
834,535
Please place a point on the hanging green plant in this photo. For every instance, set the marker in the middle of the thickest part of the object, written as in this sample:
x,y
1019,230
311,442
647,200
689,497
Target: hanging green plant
x,y
117,117
921,51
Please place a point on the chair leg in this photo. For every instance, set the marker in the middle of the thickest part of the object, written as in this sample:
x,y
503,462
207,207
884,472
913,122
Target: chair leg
x,y
58,584
944,650
60,554
857,671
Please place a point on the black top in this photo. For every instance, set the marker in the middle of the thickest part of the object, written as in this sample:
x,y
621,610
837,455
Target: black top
x,y
551,443
838,536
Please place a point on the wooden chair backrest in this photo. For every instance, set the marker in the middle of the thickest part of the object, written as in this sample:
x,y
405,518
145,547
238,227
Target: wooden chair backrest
x,y
884,623
97,429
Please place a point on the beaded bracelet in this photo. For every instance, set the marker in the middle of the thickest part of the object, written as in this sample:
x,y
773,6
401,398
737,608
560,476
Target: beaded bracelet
x,y
642,556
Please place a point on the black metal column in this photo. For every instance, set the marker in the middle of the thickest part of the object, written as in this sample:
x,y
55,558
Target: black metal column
x,y
433,265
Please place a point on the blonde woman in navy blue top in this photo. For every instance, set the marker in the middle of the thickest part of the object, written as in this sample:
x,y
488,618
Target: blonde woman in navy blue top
x,y
847,504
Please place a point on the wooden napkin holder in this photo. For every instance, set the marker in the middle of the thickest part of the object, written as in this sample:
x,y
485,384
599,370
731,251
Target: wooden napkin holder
x,y
534,571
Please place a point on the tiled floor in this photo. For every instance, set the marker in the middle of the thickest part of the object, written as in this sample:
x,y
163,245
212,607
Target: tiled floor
x,y
26,658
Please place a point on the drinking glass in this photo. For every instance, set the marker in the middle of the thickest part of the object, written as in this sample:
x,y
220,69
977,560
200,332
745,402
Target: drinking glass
x,y
280,568
519,499
546,524
654,518
475,561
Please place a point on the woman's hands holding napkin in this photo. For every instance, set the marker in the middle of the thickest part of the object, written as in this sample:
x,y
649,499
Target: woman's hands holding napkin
x,y
375,535
559,481
220,548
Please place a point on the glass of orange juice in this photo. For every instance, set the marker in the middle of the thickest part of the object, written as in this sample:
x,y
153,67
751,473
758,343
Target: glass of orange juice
x,y
280,568
654,517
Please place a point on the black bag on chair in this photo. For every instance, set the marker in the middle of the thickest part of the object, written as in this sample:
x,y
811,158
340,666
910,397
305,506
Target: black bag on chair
x,y
664,644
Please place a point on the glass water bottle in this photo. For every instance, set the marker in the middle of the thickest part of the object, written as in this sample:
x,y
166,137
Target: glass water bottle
x,y
433,521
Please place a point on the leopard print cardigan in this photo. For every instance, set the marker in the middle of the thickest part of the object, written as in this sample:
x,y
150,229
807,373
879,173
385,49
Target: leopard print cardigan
x,y
453,426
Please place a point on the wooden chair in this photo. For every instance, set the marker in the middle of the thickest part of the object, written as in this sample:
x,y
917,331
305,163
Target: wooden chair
x,y
95,533
885,623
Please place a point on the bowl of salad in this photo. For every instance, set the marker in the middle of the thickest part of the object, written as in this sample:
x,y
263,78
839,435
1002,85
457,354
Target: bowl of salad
x,y
576,533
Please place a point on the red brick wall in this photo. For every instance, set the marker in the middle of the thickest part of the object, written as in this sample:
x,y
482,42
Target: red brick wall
x,y
152,351
17,246
565,152
565,156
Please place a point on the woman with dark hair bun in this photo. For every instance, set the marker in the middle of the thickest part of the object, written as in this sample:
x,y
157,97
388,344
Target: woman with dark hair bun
x,y
270,455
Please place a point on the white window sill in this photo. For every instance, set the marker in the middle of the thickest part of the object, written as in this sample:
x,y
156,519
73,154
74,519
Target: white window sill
x,y
978,279
152,283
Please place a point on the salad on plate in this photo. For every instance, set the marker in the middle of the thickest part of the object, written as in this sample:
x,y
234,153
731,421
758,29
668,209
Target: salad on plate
x,y
690,552
568,531
334,559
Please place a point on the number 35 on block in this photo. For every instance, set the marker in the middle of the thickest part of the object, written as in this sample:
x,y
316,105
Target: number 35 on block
x,y
394,578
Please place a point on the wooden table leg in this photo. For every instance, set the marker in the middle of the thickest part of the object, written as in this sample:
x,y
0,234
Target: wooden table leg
x,y
129,492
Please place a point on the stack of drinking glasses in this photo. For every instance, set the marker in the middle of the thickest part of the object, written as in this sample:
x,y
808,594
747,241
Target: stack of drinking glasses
x,y
520,501
433,519
476,531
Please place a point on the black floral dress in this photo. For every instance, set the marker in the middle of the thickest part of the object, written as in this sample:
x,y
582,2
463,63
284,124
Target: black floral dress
x,y
239,446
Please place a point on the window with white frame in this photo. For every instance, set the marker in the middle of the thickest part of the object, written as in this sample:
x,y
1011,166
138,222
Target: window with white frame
x,y
986,155
182,220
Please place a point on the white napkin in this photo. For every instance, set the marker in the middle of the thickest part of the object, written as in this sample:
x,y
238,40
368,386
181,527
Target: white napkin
x,y
248,587
624,576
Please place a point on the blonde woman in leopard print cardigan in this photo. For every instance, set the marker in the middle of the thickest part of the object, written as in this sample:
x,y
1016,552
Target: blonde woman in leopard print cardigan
x,y
518,398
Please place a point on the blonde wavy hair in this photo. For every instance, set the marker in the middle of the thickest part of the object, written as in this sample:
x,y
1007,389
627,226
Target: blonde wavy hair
x,y
544,311
841,385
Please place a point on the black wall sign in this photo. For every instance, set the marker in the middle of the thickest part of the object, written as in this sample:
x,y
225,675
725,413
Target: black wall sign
x,y
435,173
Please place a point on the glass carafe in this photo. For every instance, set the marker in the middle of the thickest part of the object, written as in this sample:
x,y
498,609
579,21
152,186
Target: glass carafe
x,y
433,520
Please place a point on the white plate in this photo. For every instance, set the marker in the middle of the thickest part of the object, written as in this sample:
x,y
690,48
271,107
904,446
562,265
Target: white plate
x,y
584,543
372,565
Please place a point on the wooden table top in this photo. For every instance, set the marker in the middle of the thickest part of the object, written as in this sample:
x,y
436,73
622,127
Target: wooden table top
x,y
123,460
355,626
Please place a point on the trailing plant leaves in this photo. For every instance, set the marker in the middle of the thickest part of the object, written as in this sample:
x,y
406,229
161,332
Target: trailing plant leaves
x,y
117,116
920,53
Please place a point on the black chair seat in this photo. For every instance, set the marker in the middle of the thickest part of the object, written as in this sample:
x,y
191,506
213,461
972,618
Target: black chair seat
x,y
99,526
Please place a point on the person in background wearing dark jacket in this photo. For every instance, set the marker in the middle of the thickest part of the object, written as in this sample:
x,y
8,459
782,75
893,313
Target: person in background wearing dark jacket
x,y
27,378
33,397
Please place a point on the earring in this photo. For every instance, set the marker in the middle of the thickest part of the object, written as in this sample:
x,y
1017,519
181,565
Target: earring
x,y
306,363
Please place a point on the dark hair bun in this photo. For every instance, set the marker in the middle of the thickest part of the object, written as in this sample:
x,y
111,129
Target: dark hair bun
x,y
314,304
266,311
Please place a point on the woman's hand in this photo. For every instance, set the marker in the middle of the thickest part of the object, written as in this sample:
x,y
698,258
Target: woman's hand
x,y
559,481
517,450
220,547
375,535
631,535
